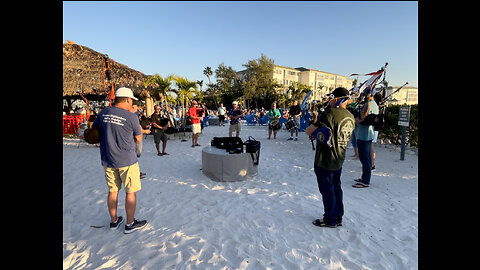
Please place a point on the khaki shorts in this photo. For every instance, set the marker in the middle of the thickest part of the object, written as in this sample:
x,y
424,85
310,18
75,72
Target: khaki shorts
x,y
196,128
235,128
129,176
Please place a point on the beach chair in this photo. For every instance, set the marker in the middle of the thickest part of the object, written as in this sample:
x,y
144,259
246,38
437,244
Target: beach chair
x,y
282,121
264,120
251,120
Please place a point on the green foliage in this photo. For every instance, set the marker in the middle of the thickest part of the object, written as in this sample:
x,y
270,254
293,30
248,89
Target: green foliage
x,y
259,85
162,87
393,132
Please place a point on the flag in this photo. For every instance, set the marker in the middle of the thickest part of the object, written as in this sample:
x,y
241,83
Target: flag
x,y
375,73
354,74
370,81
302,106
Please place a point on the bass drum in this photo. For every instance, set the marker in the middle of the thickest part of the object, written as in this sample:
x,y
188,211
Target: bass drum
x,y
275,125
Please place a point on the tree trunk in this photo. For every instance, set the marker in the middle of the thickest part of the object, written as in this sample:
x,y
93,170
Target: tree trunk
x,y
149,105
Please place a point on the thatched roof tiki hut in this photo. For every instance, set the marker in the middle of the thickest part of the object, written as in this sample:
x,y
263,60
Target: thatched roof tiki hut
x,y
83,71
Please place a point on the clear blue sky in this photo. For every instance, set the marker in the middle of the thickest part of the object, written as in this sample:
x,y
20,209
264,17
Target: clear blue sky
x,y
182,38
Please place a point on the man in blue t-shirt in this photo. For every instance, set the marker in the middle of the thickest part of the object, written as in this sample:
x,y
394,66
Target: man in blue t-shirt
x,y
119,130
365,135
234,114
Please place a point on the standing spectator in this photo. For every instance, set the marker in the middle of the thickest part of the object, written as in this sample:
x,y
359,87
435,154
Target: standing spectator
x,y
377,98
139,144
234,114
221,115
353,140
119,130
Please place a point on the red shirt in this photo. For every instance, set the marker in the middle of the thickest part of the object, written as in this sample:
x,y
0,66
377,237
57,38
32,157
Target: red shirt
x,y
195,112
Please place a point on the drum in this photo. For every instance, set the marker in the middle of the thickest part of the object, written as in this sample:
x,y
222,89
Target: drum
x,y
289,124
275,125
92,135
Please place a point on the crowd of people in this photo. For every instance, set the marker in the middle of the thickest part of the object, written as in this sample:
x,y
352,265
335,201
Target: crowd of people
x,y
123,125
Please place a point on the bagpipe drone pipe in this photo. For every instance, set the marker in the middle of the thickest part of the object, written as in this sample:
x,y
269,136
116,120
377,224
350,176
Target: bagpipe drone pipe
x,y
147,123
361,95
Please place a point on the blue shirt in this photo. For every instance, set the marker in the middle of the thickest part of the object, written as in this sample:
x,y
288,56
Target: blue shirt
x,y
364,132
117,130
233,112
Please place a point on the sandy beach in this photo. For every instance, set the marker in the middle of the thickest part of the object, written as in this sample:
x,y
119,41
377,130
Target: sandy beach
x,y
262,223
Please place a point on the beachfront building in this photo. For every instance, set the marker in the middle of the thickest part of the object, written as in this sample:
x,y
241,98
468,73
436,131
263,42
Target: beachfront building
x,y
321,82
407,95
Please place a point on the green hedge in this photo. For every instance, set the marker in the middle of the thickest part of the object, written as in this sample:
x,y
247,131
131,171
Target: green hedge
x,y
393,132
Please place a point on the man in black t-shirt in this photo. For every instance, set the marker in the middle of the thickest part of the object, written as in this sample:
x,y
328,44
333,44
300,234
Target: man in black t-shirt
x,y
295,112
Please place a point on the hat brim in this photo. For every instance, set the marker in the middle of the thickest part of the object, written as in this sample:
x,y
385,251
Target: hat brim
x,y
134,98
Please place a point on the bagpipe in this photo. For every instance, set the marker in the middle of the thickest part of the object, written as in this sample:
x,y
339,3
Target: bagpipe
x,y
359,96
362,95
162,121
367,89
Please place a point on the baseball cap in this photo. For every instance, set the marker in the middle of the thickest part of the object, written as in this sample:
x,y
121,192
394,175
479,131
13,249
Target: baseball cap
x,y
340,92
125,92
234,103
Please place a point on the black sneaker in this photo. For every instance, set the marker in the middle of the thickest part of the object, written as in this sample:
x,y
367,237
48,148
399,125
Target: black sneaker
x,y
115,225
322,223
137,225
290,139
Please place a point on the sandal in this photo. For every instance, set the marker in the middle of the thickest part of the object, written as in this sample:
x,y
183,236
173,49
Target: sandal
x,y
358,180
360,185
160,154
322,223
164,154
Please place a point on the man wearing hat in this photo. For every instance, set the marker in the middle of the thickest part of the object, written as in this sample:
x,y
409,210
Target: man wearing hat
x,y
235,114
119,130
329,158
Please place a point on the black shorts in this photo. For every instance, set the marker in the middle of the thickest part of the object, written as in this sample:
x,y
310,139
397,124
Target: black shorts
x,y
159,135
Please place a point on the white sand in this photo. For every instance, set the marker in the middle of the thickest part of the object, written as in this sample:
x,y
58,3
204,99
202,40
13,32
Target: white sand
x,y
261,223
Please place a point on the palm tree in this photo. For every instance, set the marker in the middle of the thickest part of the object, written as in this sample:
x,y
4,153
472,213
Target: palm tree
x,y
299,90
163,86
208,72
200,83
187,90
